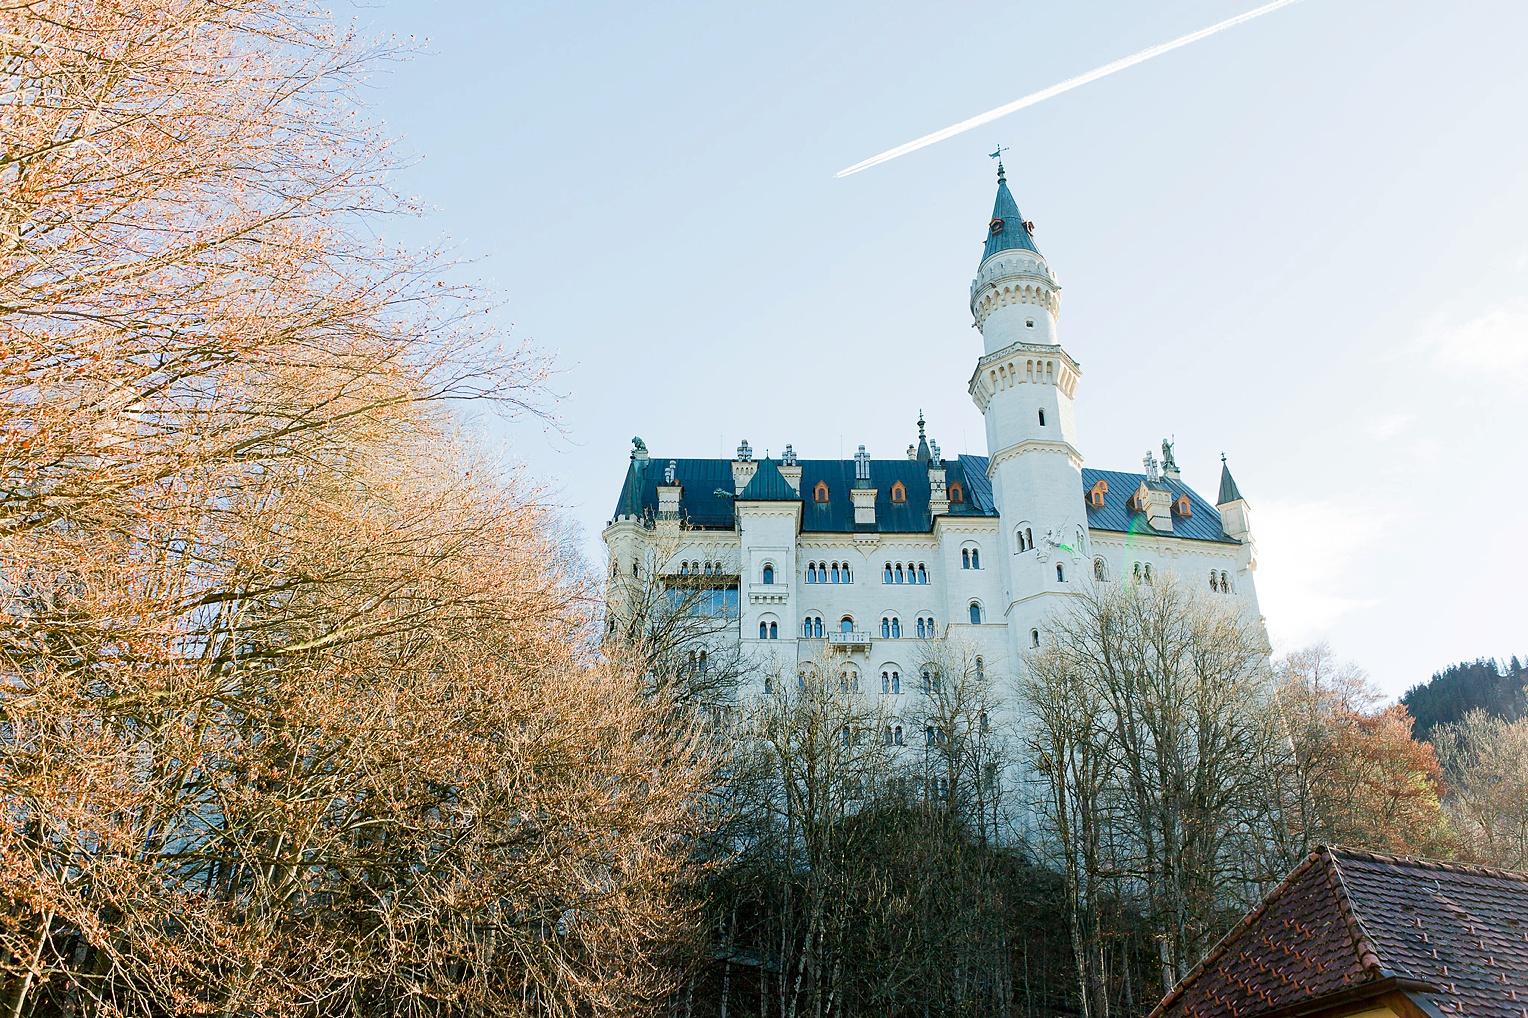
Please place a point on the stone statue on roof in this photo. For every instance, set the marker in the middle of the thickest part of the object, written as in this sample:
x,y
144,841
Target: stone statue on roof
x,y
1169,464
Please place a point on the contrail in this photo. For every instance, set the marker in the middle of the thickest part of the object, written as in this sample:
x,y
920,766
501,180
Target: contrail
x,y
1065,86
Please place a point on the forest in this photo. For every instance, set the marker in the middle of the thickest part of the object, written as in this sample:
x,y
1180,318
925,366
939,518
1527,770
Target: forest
x,y
314,707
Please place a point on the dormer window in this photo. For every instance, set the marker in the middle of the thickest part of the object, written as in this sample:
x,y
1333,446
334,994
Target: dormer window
x,y
1096,494
957,493
1138,500
899,492
996,226
820,493
1183,507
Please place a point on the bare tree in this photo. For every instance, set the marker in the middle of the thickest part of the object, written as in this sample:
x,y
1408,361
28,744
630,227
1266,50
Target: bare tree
x,y
1485,760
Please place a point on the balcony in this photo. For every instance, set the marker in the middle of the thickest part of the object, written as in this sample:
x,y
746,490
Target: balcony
x,y
768,593
850,641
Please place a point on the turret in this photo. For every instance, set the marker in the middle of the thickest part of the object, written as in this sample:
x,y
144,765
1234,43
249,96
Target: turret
x,y
1024,385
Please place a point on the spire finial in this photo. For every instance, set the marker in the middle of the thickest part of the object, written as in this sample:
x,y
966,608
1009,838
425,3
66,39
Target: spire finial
x,y
1002,178
920,424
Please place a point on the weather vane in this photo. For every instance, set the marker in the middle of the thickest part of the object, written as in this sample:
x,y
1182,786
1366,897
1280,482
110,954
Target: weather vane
x,y
998,155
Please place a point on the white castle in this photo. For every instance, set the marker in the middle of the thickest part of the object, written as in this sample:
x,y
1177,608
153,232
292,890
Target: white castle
x,y
866,557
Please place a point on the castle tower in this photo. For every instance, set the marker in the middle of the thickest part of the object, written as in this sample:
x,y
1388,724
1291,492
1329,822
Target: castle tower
x,y
1024,385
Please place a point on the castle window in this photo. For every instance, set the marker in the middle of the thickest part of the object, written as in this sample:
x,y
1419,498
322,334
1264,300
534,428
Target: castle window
x,y
769,575
820,493
896,736
763,630
1214,582
1098,569
888,735
1184,507
1225,583
811,572
886,575
1097,492
899,492
896,629
847,577
965,558
846,624
899,572
885,629
1136,572
1042,418
957,493
817,628
774,630
1023,540
981,671
976,558
922,573
1029,323
1060,573
636,569
703,662
1034,637
976,613
835,572
1148,573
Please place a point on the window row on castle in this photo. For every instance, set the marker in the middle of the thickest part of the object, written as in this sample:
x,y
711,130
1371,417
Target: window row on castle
x,y
823,572
897,573
955,493
697,568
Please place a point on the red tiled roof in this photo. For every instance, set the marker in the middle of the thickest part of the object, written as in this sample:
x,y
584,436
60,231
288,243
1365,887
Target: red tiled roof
x,y
1453,936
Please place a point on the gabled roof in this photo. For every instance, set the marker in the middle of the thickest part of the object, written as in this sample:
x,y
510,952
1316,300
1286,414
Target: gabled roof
x,y
1006,231
768,485
1349,926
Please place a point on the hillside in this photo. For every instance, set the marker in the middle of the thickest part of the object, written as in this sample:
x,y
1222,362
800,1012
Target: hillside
x,y
1484,684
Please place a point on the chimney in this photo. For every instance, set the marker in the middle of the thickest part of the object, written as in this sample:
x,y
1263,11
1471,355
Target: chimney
x,y
938,491
743,468
789,469
862,494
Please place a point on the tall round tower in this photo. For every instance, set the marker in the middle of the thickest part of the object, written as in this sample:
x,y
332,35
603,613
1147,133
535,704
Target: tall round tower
x,y
1024,385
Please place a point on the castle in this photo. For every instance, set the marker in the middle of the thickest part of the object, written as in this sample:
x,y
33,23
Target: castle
x,y
864,557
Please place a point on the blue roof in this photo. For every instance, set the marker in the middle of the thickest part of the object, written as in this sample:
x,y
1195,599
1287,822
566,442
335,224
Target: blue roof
x,y
1203,523
707,501
1006,231
1228,490
767,485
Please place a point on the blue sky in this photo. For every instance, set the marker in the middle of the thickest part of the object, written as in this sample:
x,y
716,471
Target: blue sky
x,y
1303,241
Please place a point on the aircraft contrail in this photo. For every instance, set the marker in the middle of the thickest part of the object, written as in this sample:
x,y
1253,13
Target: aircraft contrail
x,y
1065,86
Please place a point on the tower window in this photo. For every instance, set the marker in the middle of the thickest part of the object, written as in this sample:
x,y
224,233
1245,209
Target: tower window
x,y
1042,418
965,558
1029,323
957,493
885,629
1098,569
1034,637
886,576
820,493
976,558
896,629
976,613
899,492
769,575
922,573
1060,573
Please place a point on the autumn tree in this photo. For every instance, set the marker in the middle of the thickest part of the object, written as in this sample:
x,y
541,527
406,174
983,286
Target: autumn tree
x,y
302,708
1485,761
1359,776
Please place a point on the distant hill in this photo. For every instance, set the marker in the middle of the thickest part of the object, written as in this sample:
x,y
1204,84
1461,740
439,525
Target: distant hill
x,y
1458,689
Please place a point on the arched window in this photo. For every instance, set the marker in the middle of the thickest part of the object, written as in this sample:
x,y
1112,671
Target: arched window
x,y
848,578
703,662
888,735
846,624
1098,569
922,573
885,629
1214,581
636,570
1042,418
920,627
886,574
1034,637
1023,541
1136,572
928,682
817,627
806,628
763,630
899,572
1060,573
886,688
896,628
976,558
769,575
981,671
965,558
835,572
899,492
896,736
957,493
1148,572
896,681
1225,583
820,493
811,572
976,614
684,569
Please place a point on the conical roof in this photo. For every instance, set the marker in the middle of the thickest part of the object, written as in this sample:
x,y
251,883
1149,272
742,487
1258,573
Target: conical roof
x,y
1006,230
768,485
1228,490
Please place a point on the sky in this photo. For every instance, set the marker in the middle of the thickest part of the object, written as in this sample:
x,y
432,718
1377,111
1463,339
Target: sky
x,y
1302,242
